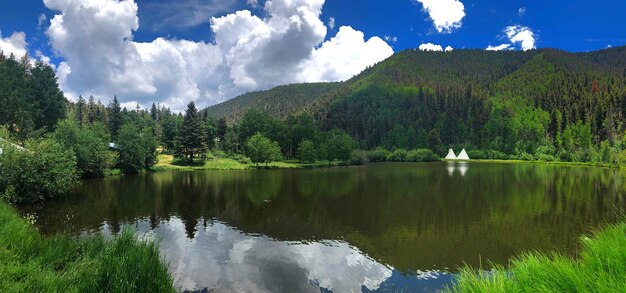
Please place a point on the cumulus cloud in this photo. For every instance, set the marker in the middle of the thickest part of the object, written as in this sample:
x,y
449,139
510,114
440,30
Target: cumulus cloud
x,y
41,20
446,15
331,23
498,48
95,37
15,44
521,35
449,49
430,47
253,3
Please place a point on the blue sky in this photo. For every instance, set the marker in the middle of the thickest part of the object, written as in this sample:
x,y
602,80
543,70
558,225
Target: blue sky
x,y
400,24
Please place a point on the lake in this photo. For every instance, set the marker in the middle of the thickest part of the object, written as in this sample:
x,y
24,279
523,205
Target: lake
x,y
380,227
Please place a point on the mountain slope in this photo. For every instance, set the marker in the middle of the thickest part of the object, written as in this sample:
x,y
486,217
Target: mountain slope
x,y
509,101
280,101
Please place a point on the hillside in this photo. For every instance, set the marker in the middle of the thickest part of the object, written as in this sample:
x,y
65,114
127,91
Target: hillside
x,y
511,101
280,101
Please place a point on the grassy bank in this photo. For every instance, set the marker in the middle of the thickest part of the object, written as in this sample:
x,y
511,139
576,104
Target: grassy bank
x,y
558,163
31,262
168,162
601,267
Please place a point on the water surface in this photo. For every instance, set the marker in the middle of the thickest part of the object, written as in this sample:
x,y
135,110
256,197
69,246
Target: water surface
x,y
381,227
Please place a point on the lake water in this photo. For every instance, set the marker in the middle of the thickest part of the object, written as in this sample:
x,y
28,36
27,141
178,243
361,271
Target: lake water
x,y
380,227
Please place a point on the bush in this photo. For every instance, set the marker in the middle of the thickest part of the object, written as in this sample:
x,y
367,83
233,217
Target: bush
x,y
421,155
261,149
546,158
242,159
46,169
358,157
523,156
495,155
137,149
398,155
378,155
307,153
89,144
477,155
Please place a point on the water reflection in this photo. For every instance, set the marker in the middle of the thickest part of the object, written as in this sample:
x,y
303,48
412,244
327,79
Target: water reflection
x,y
385,224
223,258
461,167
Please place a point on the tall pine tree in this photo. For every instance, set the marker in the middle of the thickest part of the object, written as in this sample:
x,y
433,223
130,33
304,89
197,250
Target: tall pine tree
x,y
191,138
115,117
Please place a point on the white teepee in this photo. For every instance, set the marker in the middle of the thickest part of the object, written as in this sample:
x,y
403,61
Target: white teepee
x,y
463,156
451,155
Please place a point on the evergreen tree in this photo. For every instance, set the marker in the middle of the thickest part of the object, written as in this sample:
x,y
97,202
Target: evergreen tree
x,y
80,112
191,139
115,117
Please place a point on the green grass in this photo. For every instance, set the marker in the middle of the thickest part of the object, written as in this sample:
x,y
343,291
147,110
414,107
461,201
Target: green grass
x,y
168,162
30,262
601,267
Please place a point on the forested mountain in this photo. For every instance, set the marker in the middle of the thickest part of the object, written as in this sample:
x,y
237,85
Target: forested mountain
x,y
280,101
513,102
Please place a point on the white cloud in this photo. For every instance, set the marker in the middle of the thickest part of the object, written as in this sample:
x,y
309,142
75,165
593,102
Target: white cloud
x,y
521,35
391,39
15,44
430,47
449,49
41,20
344,56
95,37
331,23
499,48
446,15
522,11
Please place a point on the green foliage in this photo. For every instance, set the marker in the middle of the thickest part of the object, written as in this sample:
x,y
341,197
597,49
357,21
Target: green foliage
x,y
115,117
137,149
600,268
255,121
30,96
45,169
260,149
280,102
192,135
34,263
358,157
307,152
421,155
338,145
477,155
90,145
398,155
378,154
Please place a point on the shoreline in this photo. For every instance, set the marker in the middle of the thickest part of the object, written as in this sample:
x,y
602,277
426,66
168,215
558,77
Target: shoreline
x,y
166,163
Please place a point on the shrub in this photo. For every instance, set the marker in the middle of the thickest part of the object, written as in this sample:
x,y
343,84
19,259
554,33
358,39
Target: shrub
x,y
546,158
89,144
46,169
307,152
378,155
261,149
242,159
358,157
137,149
495,155
477,155
398,155
421,155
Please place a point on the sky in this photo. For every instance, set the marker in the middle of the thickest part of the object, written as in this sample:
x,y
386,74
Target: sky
x,y
208,51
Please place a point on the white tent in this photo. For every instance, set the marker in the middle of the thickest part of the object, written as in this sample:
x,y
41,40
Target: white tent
x,y
463,156
451,155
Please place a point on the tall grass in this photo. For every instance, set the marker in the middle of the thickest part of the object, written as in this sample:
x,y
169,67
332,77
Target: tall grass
x,y
30,262
601,267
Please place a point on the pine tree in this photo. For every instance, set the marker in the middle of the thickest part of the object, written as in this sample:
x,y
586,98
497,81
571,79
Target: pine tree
x,y
191,139
81,110
115,117
92,108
